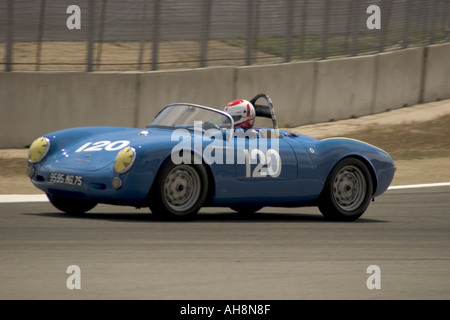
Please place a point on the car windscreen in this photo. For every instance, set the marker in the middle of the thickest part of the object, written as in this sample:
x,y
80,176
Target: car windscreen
x,y
186,116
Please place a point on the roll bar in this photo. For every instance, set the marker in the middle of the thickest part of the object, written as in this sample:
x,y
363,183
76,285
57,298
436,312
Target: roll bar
x,y
266,111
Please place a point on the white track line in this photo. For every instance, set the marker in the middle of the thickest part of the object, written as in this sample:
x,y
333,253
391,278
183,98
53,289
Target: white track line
x,y
424,185
21,198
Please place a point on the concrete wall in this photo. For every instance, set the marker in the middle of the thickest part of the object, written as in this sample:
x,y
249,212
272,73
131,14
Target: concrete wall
x,y
398,79
211,87
290,87
35,103
344,88
437,75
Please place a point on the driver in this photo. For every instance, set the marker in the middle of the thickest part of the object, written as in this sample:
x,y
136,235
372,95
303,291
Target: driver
x,y
243,114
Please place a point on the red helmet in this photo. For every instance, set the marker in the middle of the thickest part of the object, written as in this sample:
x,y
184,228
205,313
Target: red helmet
x,y
243,113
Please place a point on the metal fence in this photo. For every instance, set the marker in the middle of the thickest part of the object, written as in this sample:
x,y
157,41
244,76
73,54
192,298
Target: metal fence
x,y
121,35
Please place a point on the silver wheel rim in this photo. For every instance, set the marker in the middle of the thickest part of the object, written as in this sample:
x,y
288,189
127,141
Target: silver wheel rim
x,y
349,188
182,188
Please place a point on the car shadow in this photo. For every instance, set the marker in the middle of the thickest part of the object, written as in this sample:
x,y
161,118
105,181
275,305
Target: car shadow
x,y
203,217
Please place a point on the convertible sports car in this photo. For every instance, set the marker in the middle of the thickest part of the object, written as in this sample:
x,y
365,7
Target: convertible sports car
x,y
188,158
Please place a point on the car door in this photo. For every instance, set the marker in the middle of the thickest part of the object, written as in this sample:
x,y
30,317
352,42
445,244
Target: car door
x,y
265,170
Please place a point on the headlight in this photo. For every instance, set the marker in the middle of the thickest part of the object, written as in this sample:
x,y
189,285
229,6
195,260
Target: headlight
x,y
124,160
38,149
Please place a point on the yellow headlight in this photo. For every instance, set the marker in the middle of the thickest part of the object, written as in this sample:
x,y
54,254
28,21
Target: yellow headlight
x,y
38,149
124,160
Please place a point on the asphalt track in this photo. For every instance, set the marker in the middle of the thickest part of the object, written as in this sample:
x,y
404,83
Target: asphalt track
x,y
279,254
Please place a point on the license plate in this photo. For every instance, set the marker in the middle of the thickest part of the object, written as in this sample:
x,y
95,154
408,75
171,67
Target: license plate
x,y
66,179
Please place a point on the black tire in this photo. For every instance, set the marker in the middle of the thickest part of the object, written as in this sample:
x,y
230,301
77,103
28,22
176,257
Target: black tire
x,y
71,205
347,191
246,210
179,191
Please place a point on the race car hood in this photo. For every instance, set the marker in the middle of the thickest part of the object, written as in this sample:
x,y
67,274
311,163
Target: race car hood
x,y
99,150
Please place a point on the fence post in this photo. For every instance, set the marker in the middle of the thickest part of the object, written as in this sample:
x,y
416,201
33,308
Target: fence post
x,y
100,34
250,8
446,20
206,18
256,21
325,31
424,16
356,13
303,30
10,35
40,35
443,15
141,46
155,43
348,28
408,10
387,7
90,44
434,14
289,26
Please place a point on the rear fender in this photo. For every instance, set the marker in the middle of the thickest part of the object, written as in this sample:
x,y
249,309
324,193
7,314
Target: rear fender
x,y
328,152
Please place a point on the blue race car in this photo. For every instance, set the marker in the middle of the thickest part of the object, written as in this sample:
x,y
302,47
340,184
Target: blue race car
x,y
188,157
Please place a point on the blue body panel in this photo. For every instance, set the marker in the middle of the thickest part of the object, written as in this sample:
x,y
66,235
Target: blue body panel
x,y
304,165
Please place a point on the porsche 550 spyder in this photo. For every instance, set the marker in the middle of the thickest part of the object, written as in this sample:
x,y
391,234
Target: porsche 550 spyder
x,y
188,158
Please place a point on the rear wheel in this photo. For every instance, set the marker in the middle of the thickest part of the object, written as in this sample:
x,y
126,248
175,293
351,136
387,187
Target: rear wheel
x,y
179,191
347,191
71,205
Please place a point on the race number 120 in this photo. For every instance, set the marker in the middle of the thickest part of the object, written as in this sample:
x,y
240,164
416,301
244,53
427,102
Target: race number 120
x,y
267,164
103,145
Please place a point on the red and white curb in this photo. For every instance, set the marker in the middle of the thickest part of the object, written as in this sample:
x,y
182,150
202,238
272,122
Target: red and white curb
x,y
22,198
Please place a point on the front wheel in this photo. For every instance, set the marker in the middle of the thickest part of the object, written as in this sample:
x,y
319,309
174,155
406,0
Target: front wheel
x,y
347,191
71,205
179,191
